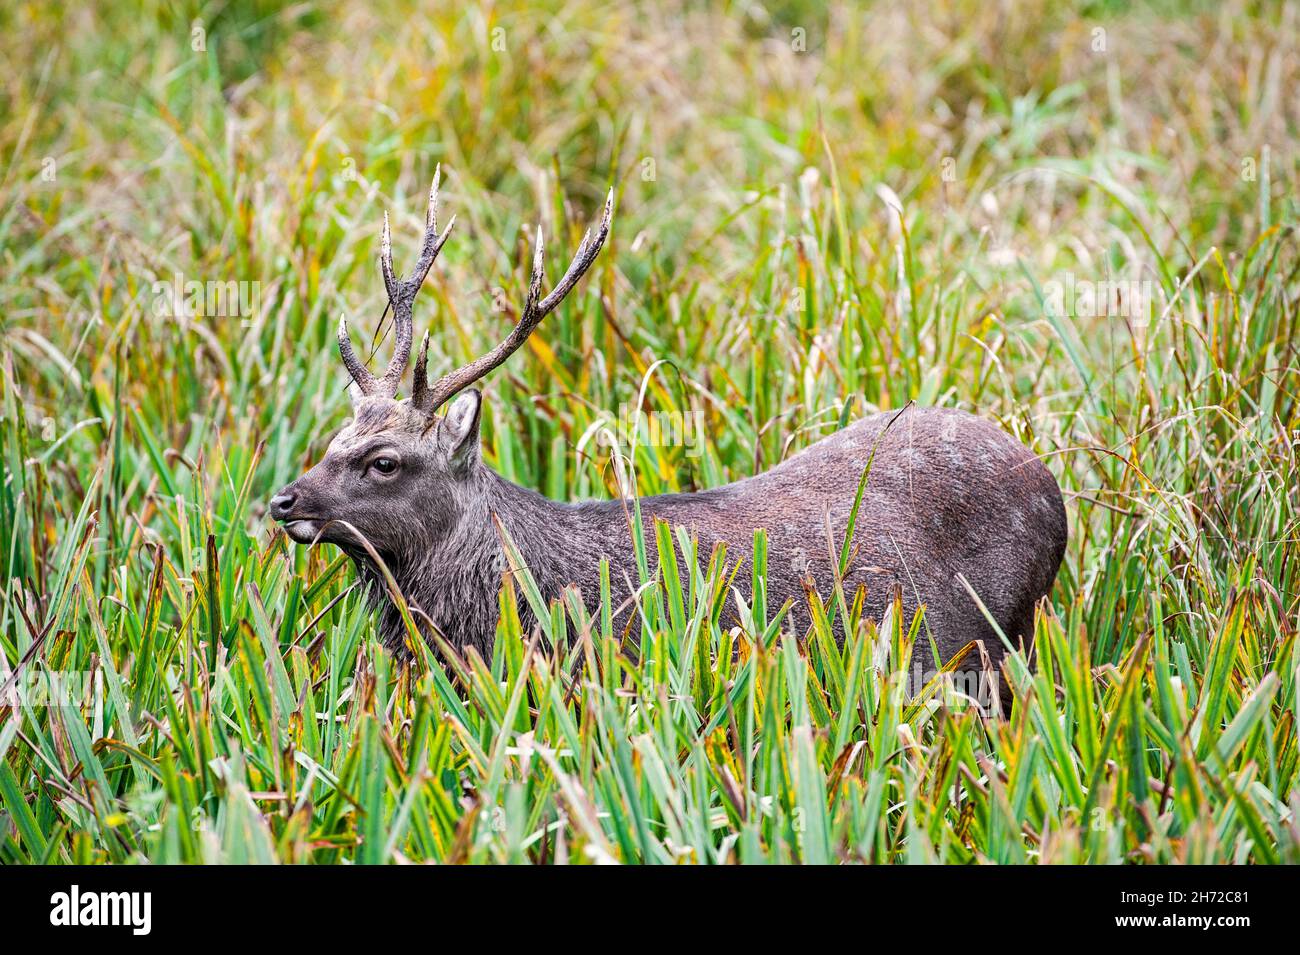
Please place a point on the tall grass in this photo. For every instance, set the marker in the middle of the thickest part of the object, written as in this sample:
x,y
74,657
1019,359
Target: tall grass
x,y
819,214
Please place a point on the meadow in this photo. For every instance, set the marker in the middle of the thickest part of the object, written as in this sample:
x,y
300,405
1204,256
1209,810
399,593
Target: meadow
x,y
1075,219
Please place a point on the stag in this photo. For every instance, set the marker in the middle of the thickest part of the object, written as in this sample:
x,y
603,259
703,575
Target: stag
x,y
956,515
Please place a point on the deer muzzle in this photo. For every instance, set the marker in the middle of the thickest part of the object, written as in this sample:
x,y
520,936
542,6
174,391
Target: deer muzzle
x,y
286,508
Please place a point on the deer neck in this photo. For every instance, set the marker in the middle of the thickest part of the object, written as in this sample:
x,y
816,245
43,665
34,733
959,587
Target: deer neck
x,y
560,542
455,582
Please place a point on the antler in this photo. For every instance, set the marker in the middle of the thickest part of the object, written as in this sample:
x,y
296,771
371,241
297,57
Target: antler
x,y
431,397
401,294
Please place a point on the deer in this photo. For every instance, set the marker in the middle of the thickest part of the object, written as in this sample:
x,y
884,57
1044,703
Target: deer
x,y
955,516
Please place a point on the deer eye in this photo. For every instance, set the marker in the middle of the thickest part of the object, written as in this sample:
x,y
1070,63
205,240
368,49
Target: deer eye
x,y
384,465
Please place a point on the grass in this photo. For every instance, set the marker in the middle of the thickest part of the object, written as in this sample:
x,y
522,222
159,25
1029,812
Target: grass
x,y
818,215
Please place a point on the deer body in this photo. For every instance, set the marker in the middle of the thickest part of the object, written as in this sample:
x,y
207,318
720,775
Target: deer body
x,y
947,493
952,504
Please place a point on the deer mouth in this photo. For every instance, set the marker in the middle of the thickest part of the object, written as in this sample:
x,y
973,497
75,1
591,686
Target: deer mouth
x,y
303,530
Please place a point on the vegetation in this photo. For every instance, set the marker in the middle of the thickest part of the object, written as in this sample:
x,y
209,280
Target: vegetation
x,y
818,214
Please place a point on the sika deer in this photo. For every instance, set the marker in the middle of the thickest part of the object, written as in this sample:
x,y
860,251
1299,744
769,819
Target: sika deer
x,y
948,494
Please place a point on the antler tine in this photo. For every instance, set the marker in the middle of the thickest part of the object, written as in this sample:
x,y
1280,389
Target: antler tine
x,y
355,366
431,210
586,254
386,261
532,315
401,293
433,242
420,376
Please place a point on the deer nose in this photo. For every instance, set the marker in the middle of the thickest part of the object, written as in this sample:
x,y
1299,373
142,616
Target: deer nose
x,y
282,504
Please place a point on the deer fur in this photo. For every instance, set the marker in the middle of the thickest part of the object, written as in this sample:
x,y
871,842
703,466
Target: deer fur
x,y
949,497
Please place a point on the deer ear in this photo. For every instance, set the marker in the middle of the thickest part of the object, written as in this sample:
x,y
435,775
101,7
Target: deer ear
x,y
459,431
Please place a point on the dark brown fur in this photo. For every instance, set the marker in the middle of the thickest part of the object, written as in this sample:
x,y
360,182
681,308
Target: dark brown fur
x,y
948,494
950,498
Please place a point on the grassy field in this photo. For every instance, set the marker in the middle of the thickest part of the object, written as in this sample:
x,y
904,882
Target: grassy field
x,y
1077,222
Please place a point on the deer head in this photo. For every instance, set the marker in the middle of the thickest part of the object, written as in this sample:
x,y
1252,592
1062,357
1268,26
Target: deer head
x,y
400,473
